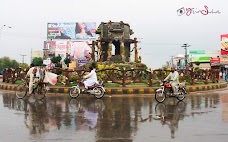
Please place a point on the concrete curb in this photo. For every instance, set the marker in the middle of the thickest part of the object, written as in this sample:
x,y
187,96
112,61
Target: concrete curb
x,y
128,90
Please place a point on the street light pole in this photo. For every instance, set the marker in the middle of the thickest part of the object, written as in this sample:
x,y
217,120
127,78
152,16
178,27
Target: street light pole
x,y
185,46
23,58
2,28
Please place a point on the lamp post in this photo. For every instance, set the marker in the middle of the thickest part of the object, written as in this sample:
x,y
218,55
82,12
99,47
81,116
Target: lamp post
x,y
185,46
5,26
2,28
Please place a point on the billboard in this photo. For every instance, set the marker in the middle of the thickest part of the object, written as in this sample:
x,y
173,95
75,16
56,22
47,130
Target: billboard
x,y
82,62
79,30
80,49
62,48
49,48
224,44
76,49
37,54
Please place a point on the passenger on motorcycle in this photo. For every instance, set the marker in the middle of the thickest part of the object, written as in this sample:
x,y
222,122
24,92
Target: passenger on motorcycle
x,y
173,77
91,78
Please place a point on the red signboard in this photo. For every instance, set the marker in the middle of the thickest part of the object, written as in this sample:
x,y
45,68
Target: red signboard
x,y
215,60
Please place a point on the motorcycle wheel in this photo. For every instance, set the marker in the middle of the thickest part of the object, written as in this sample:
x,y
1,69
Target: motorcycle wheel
x,y
159,96
74,92
98,92
40,92
181,96
160,109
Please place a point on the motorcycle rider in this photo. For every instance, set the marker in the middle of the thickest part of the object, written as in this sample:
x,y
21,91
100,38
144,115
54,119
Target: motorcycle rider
x,y
173,77
91,78
33,74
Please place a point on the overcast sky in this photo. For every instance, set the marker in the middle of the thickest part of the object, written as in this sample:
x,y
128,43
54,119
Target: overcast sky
x,y
155,22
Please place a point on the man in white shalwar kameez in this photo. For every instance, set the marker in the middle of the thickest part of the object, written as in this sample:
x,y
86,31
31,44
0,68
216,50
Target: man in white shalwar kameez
x,y
34,76
174,79
91,78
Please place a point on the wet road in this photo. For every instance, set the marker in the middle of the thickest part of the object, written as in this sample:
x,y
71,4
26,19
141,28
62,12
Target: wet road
x,y
201,117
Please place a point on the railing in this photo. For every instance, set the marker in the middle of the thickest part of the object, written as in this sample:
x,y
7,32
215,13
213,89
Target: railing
x,y
123,76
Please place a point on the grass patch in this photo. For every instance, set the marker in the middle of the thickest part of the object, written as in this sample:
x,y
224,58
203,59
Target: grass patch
x,y
138,84
199,83
73,84
18,82
112,85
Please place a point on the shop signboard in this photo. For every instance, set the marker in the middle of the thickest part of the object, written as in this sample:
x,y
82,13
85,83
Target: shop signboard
x,y
197,52
200,59
215,60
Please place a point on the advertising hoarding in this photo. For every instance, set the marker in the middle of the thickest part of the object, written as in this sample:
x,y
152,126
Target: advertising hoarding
x,y
38,54
76,49
224,44
73,30
62,47
82,62
80,49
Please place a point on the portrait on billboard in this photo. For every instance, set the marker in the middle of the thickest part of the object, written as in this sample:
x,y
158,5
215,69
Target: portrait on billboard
x,y
73,30
85,30
80,50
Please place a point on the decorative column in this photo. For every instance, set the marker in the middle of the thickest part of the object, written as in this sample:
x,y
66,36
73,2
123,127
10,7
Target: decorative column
x,y
109,50
122,50
99,51
93,51
136,50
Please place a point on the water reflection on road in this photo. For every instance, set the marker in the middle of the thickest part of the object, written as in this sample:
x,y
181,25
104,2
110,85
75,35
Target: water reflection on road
x,y
122,119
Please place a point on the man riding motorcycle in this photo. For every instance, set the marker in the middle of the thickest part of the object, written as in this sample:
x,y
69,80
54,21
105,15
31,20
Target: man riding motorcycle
x,y
173,77
91,78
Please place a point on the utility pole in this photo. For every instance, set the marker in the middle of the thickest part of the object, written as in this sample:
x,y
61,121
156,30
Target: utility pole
x,y
185,46
172,61
23,58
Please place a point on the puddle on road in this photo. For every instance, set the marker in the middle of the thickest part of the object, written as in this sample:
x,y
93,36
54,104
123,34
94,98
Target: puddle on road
x,y
122,119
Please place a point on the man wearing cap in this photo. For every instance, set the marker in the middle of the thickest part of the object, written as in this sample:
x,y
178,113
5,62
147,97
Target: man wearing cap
x,y
173,77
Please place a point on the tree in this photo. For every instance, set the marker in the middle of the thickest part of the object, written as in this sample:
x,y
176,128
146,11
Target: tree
x,y
14,64
56,60
6,62
24,65
67,60
37,61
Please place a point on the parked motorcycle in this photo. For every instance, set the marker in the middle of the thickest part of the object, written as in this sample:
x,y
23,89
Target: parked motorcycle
x,y
97,90
166,91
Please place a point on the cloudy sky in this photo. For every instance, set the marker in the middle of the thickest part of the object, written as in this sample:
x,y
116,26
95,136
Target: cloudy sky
x,y
155,23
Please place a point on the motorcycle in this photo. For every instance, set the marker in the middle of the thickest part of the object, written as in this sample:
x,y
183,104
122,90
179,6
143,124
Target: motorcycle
x,y
166,91
97,90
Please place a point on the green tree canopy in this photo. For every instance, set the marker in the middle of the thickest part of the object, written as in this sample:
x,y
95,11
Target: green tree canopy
x,y
37,61
56,60
6,62
67,60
